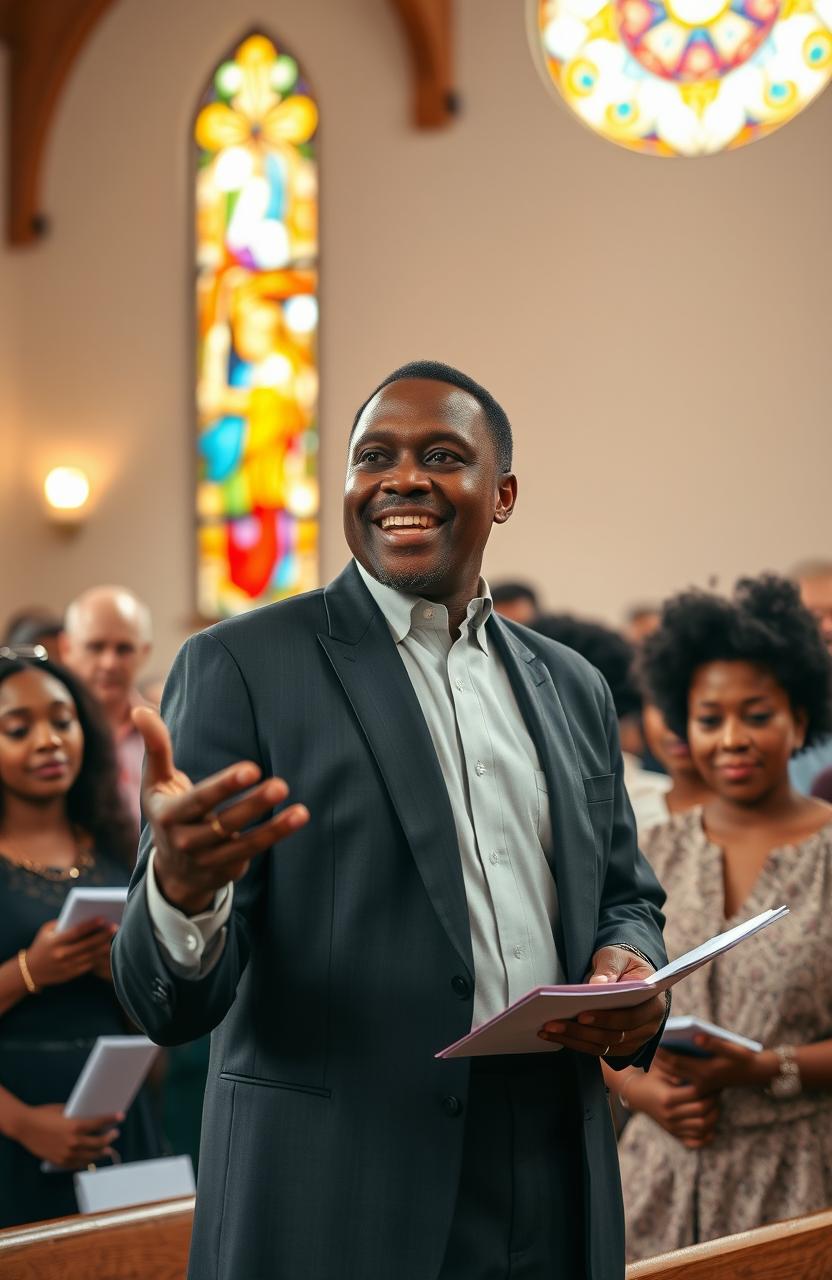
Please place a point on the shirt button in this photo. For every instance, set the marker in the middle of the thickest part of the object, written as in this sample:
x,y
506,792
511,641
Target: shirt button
x,y
451,1106
461,987
480,769
459,684
191,942
519,952
494,857
428,613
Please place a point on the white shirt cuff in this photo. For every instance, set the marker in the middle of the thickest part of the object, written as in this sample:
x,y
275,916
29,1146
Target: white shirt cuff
x,y
192,944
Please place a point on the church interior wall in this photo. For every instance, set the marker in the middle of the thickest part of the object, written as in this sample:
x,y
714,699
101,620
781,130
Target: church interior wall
x,y
657,330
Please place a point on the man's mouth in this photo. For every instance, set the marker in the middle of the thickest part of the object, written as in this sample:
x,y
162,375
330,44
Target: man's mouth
x,y
408,522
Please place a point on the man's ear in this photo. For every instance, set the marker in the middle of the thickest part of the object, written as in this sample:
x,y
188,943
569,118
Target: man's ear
x,y
506,497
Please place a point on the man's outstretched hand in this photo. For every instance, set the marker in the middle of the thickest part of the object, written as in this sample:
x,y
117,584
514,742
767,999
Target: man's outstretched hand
x,y
198,850
616,1033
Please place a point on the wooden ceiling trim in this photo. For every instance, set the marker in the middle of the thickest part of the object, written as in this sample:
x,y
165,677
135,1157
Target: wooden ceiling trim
x,y
428,27
44,37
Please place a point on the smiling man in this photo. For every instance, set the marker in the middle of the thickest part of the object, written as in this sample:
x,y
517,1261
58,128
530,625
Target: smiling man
x,y
462,834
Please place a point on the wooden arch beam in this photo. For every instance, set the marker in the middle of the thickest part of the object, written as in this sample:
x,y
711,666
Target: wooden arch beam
x,y
428,29
44,37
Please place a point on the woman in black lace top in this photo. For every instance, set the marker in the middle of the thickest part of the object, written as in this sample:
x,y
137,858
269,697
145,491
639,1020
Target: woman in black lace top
x,y
61,825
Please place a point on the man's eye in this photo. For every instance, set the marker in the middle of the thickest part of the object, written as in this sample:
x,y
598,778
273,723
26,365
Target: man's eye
x,y
370,455
441,455
707,722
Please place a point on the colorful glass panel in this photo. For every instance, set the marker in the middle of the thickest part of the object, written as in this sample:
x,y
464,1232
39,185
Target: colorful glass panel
x,y
257,326
684,77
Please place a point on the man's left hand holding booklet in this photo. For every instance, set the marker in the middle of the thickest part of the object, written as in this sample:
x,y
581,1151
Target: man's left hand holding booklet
x,y
515,1030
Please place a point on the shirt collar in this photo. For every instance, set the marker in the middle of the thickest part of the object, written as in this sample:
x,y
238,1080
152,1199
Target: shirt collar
x,y
403,611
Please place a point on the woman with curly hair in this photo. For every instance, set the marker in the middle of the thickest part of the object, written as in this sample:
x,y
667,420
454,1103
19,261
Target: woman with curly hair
x,y
726,1141
61,825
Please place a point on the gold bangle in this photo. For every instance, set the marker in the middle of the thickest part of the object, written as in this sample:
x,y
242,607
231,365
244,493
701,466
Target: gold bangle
x,y
31,986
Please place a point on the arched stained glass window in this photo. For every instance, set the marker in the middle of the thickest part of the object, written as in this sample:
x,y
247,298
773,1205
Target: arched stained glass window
x,y
257,323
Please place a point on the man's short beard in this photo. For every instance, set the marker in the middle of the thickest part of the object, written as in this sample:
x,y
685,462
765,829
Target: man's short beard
x,y
414,582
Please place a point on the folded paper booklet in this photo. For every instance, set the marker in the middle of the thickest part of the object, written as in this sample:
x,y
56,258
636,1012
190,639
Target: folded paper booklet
x,y
679,1036
91,903
515,1029
110,1078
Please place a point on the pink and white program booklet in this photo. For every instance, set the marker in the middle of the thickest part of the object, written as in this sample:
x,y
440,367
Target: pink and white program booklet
x,y
515,1029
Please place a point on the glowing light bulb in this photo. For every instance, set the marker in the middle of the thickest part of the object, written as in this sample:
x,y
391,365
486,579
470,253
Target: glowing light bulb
x,y
66,490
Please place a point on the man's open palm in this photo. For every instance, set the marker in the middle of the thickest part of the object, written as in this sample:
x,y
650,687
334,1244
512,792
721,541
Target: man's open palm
x,y
204,834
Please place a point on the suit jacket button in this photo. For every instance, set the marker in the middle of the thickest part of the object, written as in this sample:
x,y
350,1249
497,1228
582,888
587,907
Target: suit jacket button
x,y
461,986
451,1105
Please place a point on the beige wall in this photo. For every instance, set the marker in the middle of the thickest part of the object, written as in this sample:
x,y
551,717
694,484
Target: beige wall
x,y
657,330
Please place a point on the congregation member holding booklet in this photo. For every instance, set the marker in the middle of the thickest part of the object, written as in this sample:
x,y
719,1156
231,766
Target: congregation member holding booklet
x,y
459,833
62,825
726,1142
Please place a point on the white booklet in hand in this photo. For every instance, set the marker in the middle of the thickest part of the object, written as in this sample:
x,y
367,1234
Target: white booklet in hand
x,y
515,1029
680,1032
91,903
110,1078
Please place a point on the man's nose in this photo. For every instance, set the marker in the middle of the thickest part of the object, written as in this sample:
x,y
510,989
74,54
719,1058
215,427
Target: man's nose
x,y
406,477
108,658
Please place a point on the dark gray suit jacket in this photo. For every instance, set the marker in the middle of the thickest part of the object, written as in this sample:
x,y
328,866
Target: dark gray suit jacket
x,y
332,1137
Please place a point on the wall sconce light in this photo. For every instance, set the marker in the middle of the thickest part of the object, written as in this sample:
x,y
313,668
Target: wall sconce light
x,y
67,492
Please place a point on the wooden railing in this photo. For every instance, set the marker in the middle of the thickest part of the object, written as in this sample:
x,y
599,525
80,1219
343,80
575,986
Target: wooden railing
x,y
147,1243
151,1243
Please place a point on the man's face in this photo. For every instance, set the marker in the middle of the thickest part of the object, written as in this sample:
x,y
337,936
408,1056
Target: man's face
x,y
816,594
423,488
106,649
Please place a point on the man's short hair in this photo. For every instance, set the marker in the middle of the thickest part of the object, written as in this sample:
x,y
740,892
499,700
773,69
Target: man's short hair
x,y
435,371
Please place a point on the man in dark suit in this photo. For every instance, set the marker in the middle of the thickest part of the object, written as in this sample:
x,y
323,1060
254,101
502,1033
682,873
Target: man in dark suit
x,y
464,835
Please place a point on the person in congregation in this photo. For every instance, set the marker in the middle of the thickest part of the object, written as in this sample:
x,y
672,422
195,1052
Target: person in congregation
x,y
62,824
726,1142
515,600
32,627
106,642
686,787
613,656
464,834
814,581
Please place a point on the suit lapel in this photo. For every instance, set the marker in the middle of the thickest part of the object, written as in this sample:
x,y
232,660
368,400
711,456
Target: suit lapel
x,y
573,857
373,677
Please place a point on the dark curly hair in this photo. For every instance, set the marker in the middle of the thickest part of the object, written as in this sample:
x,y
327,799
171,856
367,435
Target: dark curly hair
x,y
606,649
93,801
765,624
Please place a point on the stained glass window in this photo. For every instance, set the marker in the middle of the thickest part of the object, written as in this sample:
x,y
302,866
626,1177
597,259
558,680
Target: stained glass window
x,y
257,325
684,77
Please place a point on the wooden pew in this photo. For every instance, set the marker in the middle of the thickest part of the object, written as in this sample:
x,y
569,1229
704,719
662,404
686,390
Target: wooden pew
x,y
151,1243
800,1249
146,1243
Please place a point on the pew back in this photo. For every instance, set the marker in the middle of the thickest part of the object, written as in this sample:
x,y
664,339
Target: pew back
x,y
151,1243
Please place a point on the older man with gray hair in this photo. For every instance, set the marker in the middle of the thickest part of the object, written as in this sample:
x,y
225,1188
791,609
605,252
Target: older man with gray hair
x,y
106,642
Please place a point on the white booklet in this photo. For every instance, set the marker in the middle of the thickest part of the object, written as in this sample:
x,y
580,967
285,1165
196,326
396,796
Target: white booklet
x,y
515,1029
110,1078
83,904
139,1182
679,1033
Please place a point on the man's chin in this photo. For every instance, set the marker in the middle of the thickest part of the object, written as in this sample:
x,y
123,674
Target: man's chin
x,y
415,579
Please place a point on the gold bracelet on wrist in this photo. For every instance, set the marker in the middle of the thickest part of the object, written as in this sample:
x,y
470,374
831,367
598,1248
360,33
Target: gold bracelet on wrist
x,y
22,964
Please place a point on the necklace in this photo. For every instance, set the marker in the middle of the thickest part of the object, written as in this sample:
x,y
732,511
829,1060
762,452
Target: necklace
x,y
83,860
